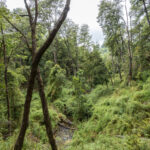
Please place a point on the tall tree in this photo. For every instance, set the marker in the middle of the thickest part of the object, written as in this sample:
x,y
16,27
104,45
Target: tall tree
x,y
110,19
129,44
36,59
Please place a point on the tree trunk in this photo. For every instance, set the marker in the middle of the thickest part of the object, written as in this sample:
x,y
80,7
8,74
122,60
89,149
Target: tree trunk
x,y
119,60
25,120
119,71
47,120
55,57
129,46
122,47
77,59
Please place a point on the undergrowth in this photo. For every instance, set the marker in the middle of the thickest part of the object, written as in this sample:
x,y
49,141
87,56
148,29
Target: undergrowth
x,y
120,119
117,118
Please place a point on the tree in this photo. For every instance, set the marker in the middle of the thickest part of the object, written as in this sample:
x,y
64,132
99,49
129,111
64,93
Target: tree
x,y
141,8
55,82
82,110
69,35
129,46
140,37
95,69
110,19
8,47
36,59
85,38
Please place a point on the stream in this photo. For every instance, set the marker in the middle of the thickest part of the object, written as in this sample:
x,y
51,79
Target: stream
x,y
64,136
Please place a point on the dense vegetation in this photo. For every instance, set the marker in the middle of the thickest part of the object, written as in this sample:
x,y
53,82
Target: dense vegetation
x,y
104,90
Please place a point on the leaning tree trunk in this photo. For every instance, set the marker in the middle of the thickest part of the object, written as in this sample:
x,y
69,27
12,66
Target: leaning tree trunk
x,y
34,67
47,120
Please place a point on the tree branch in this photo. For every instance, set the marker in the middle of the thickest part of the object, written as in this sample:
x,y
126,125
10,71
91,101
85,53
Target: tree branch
x,y
36,12
18,30
53,33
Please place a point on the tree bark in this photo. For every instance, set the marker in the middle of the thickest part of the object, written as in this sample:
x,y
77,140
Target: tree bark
x,y
36,60
47,120
119,71
55,56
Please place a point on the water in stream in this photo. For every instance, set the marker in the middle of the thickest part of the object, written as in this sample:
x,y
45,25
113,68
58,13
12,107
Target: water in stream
x,y
64,137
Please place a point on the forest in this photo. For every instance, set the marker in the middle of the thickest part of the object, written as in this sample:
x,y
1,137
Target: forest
x,y
60,90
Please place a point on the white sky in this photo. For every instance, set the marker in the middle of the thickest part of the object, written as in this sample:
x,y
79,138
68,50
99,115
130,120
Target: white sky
x,y
85,12
81,12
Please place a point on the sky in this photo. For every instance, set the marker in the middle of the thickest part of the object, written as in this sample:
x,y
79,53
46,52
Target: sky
x,y
81,12
86,12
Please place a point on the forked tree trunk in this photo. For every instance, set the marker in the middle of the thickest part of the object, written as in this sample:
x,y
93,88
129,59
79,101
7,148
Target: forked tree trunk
x,y
34,67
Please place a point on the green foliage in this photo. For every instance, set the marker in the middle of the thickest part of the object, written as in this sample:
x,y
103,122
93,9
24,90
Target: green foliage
x,y
95,70
119,117
55,83
82,110
73,102
143,75
15,94
98,92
